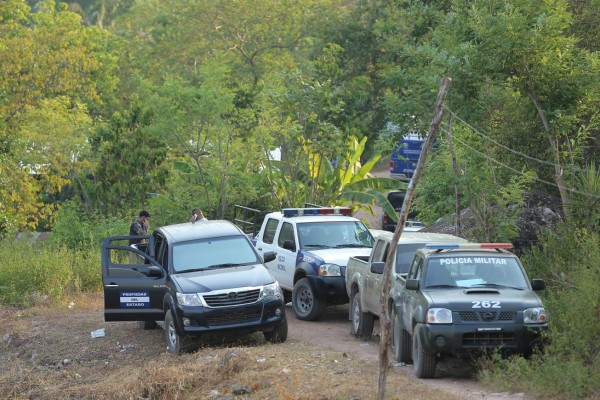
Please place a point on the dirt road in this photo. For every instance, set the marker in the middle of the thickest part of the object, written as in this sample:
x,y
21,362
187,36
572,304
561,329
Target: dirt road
x,y
333,331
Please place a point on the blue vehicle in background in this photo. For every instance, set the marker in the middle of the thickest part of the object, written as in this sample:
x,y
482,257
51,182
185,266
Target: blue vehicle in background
x,y
405,156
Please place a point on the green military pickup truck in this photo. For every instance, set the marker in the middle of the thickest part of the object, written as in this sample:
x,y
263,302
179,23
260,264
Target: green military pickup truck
x,y
461,299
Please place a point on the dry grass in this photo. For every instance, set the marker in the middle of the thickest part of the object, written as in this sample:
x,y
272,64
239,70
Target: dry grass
x,y
47,353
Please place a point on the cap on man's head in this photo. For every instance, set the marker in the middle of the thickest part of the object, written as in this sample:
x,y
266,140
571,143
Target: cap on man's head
x,y
196,211
144,213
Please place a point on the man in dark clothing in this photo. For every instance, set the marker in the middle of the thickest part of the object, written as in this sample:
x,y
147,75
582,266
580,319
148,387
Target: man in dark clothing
x,y
139,227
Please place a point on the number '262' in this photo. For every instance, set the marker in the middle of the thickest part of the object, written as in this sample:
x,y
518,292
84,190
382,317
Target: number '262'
x,y
485,304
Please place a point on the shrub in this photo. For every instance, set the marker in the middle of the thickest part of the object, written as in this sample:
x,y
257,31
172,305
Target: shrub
x,y
43,270
569,261
77,230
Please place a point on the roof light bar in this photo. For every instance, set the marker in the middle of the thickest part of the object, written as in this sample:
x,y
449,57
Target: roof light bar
x,y
469,246
290,212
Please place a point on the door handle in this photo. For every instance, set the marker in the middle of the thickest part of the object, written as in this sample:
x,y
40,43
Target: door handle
x,y
111,285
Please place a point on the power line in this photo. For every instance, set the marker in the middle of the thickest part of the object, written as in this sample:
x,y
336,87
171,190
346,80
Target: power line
x,y
591,195
573,169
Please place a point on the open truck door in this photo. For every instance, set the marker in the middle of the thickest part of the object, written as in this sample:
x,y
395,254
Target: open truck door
x,y
134,282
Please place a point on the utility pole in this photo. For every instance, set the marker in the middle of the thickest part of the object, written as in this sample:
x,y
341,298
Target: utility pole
x,y
384,318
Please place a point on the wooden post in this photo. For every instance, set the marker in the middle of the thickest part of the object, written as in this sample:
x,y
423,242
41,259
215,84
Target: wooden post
x,y
457,227
384,318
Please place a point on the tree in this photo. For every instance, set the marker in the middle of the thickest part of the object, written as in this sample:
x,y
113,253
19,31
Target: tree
x,y
53,71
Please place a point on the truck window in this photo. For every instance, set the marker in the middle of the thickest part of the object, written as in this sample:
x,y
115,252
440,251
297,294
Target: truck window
x,y
286,233
380,251
404,255
270,230
481,270
416,269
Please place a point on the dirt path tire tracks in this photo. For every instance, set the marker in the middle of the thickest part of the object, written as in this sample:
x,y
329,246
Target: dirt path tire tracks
x,y
333,331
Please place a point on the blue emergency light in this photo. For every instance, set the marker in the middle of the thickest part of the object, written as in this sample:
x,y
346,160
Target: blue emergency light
x,y
291,212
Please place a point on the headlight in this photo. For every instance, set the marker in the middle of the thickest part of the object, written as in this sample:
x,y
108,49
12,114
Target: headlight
x,y
535,315
439,316
188,299
330,270
272,289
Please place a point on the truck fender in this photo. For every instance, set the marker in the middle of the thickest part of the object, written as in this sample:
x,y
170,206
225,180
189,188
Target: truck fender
x,y
303,270
169,304
419,315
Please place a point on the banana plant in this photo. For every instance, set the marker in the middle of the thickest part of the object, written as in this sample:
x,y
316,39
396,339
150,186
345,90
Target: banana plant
x,y
346,181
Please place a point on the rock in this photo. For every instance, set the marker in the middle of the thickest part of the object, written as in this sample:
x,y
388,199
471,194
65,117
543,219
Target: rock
x,y
539,210
240,389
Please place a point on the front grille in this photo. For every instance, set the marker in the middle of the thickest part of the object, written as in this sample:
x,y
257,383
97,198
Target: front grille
x,y
468,316
487,316
508,316
234,317
488,339
233,298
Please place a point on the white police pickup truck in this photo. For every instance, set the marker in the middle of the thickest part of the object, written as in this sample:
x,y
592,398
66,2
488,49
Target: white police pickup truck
x,y
313,246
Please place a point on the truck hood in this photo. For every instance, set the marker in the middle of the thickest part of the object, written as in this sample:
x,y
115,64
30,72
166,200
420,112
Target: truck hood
x,y
223,278
338,256
473,298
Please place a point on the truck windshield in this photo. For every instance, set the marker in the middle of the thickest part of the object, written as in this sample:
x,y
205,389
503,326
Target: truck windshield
x,y
481,270
332,234
205,253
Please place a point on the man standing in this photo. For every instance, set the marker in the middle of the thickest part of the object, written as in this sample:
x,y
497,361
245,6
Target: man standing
x,y
139,227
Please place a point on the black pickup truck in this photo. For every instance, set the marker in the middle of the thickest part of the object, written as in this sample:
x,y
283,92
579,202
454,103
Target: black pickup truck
x,y
192,279
462,299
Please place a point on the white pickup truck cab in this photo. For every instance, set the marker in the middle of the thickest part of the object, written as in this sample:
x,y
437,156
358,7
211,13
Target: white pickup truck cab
x,y
364,275
313,246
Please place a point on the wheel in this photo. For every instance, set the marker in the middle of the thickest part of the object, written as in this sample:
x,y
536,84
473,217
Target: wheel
x,y
306,305
147,325
362,322
176,344
401,341
424,363
279,334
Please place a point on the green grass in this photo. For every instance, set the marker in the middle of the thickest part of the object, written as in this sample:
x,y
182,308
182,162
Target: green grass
x,y
37,271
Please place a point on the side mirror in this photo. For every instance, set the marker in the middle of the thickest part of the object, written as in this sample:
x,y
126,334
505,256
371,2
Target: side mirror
x,y
377,267
412,284
538,284
289,245
155,271
269,256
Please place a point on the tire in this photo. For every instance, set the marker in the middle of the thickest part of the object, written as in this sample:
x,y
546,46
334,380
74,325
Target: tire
x,y
362,322
176,344
424,363
147,325
306,304
279,334
401,342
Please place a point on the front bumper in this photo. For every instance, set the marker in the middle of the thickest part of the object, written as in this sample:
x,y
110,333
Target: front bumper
x,y
330,289
262,316
462,339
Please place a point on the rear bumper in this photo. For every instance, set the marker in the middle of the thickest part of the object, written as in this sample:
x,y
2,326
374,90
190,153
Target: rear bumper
x,y
401,176
462,339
